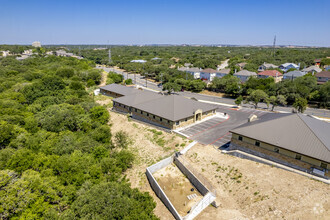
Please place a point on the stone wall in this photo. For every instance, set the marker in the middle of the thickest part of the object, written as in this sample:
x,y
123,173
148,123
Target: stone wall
x,y
121,108
150,119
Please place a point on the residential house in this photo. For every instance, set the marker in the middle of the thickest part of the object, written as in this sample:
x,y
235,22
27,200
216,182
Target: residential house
x,y
323,77
312,69
266,66
317,62
244,75
295,140
277,75
241,65
166,111
286,66
222,73
293,74
194,71
327,67
5,53
208,74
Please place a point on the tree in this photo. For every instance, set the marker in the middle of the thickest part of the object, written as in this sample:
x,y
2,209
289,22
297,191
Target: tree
x,y
111,200
128,82
300,104
275,101
257,96
100,114
122,139
117,78
239,100
171,87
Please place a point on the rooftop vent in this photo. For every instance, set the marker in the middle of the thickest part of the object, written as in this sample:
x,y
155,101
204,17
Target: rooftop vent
x,y
252,118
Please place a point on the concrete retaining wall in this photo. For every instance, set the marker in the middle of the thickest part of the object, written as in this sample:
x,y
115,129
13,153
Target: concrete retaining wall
x,y
193,179
157,189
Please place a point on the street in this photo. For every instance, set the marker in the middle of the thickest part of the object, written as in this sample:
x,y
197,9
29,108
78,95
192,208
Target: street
x,y
140,81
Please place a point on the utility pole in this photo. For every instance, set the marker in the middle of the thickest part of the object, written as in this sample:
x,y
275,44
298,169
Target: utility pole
x,y
109,56
274,45
146,75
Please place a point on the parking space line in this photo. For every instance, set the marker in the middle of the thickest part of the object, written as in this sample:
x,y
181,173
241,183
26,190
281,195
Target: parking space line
x,y
219,138
210,127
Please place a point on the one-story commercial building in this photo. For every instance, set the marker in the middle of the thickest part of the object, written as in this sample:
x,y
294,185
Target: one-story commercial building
x,y
167,111
296,140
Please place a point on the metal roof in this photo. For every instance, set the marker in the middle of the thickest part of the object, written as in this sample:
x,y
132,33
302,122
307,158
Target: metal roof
x,y
312,68
295,132
136,98
173,107
245,73
295,73
120,89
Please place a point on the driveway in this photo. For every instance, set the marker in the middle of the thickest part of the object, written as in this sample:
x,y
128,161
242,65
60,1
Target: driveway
x,y
215,131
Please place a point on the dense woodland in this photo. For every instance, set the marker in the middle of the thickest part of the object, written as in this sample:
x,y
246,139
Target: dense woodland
x,y
58,157
296,92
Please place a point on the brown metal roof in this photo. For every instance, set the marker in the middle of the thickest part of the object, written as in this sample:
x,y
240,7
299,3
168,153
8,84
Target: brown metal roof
x,y
173,107
295,132
323,74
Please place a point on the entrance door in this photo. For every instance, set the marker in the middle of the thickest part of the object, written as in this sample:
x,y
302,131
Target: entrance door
x,y
198,117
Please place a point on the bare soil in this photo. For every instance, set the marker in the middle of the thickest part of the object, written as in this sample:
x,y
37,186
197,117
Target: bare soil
x,y
218,94
150,145
250,190
177,188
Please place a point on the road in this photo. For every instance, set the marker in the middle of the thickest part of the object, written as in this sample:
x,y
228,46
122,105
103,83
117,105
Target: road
x,y
140,80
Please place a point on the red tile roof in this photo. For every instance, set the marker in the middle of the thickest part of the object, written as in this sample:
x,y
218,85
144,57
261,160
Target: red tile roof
x,y
270,73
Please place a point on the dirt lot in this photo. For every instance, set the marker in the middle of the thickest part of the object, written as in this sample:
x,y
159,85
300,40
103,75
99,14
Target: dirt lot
x,y
177,187
150,145
250,190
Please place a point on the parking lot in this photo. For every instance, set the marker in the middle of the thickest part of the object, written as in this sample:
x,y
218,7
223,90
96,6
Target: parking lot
x,y
215,131
201,127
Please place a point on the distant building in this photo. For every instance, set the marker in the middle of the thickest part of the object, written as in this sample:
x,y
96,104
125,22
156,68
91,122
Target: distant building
x,y
241,65
323,77
293,74
266,66
286,66
5,53
63,53
244,75
208,74
222,73
295,140
317,62
271,73
36,44
312,69
194,71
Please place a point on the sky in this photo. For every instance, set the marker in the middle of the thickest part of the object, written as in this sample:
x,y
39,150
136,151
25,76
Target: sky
x,y
237,22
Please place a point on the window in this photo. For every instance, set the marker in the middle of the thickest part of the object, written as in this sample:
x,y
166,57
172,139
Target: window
x,y
324,165
257,143
240,138
160,119
154,117
135,110
148,114
298,156
186,119
276,150
168,121
177,123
